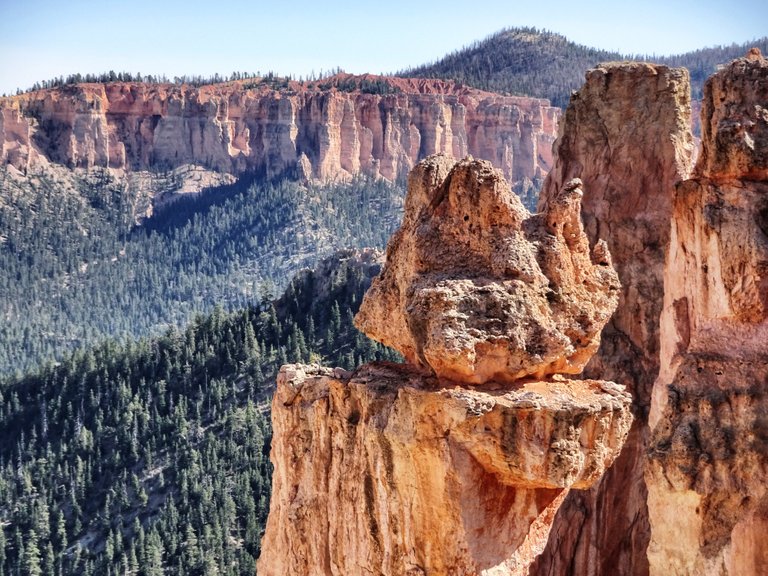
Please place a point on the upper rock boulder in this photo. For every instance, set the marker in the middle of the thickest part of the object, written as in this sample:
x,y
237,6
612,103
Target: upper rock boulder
x,y
477,289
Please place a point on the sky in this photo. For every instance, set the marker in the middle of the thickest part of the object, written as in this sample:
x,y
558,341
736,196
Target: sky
x,y
43,39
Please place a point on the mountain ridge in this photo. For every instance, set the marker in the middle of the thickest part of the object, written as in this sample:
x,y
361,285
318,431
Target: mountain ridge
x,y
545,64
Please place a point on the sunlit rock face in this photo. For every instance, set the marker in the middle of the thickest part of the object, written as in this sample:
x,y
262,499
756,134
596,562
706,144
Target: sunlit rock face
x,y
707,468
456,461
626,135
316,131
392,471
477,289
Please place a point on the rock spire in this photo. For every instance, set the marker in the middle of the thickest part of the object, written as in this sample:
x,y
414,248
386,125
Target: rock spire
x,y
477,289
708,456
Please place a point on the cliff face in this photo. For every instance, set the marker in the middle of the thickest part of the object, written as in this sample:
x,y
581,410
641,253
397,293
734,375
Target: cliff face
x,y
688,493
456,462
708,459
390,471
312,133
626,134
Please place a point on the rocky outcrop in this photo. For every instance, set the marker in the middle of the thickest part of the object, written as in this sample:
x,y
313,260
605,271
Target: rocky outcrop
x,y
477,289
414,468
708,459
15,136
626,135
391,471
734,122
318,132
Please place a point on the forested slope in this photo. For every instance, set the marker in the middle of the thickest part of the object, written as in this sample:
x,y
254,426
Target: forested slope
x,y
151,456
76,269
532,62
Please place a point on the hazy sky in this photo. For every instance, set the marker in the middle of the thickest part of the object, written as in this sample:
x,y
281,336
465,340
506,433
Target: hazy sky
x,y
41,39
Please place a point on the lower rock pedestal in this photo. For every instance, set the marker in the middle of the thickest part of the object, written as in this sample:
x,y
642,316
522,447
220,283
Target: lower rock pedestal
x,y
392,471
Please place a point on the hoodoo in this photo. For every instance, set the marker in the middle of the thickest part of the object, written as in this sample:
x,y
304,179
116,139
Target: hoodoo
x,y
708,460
626,134
477,289
456,462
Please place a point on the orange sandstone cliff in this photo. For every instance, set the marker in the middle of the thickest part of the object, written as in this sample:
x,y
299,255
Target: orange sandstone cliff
x,y
626,134
456,462
460,466
299,130
707,471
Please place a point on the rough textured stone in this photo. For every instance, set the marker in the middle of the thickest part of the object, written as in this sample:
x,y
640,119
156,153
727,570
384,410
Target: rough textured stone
x,y
626,134
734,122
405,469
477,289
390,471
708,458
233,128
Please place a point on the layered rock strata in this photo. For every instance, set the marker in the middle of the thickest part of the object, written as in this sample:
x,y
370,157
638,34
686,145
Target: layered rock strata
x,y
413,468
708,459
301,129
626,135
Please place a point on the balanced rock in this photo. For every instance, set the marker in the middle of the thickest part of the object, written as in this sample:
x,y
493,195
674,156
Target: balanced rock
x,y
476,288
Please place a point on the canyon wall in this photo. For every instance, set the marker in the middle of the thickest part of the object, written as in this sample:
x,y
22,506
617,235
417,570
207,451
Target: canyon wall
x,y
626,134
708,457
455,462
298,130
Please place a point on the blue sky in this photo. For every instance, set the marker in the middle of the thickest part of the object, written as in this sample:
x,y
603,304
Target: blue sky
x,y
41,39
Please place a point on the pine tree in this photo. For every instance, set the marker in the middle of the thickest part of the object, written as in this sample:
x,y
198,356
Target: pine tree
x,y
49,560
32,555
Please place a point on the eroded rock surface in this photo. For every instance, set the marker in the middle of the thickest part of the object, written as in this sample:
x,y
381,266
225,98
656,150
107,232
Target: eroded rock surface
x,y
477,289
416,468
708,459
389,471
626,135
734,122
319,131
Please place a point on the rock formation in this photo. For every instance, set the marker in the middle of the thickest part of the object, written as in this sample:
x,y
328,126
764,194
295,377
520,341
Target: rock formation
x,y
321,133
469,263
688,493
708,459
415,469
390,471
626,135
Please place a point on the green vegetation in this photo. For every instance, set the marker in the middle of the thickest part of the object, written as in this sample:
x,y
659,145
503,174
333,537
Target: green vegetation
x,y
129,445
703,63
363,84
113,76
151,456
76,269
532,62
521,61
